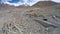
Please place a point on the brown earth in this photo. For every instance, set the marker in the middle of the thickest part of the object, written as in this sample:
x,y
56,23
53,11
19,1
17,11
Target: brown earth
x,y
19,20
45,4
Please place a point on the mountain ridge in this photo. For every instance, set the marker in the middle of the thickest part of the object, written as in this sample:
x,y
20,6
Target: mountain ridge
x,y
44,4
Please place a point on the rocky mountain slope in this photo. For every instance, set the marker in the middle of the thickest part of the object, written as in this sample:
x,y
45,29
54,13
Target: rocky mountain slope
x,y
25,20
45,4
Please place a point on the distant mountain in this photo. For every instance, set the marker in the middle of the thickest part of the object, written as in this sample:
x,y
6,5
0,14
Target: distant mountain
x,y
38,4
7,6
20,2
44,4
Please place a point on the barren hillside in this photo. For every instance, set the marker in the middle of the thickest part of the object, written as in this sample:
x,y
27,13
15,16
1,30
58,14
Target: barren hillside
x,y
22,20
45,4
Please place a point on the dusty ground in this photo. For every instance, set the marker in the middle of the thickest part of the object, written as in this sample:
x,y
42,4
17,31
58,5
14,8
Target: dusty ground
x,y
21,18
17,16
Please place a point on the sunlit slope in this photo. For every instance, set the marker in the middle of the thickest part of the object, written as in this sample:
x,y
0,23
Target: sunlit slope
x,y
45,4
